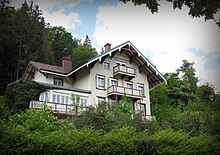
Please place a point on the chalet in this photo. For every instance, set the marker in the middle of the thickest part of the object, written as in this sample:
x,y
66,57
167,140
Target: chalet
x,y
107,77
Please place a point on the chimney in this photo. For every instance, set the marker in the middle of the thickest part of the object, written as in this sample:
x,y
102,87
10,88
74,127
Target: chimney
x,y
107,47
67,63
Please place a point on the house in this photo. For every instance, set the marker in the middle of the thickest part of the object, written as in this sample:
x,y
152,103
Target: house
x,y
107,77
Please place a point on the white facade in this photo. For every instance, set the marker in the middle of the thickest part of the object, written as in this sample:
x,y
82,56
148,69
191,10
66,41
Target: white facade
x,y
107,77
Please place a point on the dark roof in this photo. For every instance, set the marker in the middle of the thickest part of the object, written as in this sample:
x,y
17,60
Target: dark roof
x,y
52,68
153,74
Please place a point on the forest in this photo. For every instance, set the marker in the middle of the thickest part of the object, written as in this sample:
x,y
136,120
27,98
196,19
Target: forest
x,y
26,36
187,113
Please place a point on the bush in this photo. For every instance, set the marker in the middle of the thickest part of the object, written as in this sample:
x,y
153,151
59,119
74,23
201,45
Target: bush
x,y
203,144
22,92
4,109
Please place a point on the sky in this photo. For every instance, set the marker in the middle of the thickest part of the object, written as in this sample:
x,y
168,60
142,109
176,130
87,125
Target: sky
x,y
165,38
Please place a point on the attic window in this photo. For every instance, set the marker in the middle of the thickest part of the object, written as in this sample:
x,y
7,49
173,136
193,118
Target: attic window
x,y
58,82
106,65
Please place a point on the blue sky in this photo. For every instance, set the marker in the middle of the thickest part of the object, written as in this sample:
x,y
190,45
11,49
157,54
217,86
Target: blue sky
x,y
87,11
165,38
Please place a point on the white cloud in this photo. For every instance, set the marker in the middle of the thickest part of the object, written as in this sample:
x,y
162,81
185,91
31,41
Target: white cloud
x,y
70,21
57,17
167,35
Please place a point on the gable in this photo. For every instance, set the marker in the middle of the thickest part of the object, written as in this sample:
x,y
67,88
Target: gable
x,y
134,56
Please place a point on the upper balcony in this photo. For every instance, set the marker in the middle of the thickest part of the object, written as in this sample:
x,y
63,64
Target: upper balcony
x,y
124,71
119,90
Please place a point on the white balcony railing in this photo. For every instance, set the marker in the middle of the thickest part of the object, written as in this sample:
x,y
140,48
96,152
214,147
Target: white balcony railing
x,y
124,70
57,107
118,90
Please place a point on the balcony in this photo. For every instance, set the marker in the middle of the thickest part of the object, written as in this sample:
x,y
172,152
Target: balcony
x,y
124,71
58,108
118,90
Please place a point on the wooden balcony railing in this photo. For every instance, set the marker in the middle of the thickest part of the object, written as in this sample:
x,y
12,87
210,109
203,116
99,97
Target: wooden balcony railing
x,y
57,107
118,90
124,70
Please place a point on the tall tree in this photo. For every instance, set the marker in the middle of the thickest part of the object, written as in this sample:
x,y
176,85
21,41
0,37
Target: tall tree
x,y
62,43
82,54
23,37
87,41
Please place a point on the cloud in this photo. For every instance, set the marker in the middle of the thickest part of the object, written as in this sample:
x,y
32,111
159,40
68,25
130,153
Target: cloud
x,y
70,21
167,35
196,51
212,60
54,12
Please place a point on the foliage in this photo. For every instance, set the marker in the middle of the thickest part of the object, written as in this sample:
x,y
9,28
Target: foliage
x,y
62,43
26,36
23,38
191,122
87,42
75,105
207,9
4,109
206,93
20,93
82,54
37,131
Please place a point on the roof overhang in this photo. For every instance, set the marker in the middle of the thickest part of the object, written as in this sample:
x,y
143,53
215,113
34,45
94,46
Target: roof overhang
x,y
154,76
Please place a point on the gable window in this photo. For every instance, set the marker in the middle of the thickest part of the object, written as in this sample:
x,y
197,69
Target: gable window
x,y
58,82
141,88
106,65
100,82
129,85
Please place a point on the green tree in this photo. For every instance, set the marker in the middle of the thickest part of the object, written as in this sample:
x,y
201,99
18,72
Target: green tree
x,y
23,37
22,92
87,42
207,9
62,43
206,93
82,54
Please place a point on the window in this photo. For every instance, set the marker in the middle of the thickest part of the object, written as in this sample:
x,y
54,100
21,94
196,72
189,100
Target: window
x,y
141,88
129,85
113,102
143,108
44,96
100,82
64,99
58,82
61,98
106,65
84,101
114,82
100,99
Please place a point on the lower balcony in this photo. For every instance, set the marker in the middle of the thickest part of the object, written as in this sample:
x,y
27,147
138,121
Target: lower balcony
x,y
58,108
119,90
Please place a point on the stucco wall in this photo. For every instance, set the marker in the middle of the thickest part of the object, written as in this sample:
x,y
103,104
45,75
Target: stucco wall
x,y
98,69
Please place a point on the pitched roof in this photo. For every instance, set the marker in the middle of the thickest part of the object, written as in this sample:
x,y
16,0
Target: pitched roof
x,y
156,77
47,67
